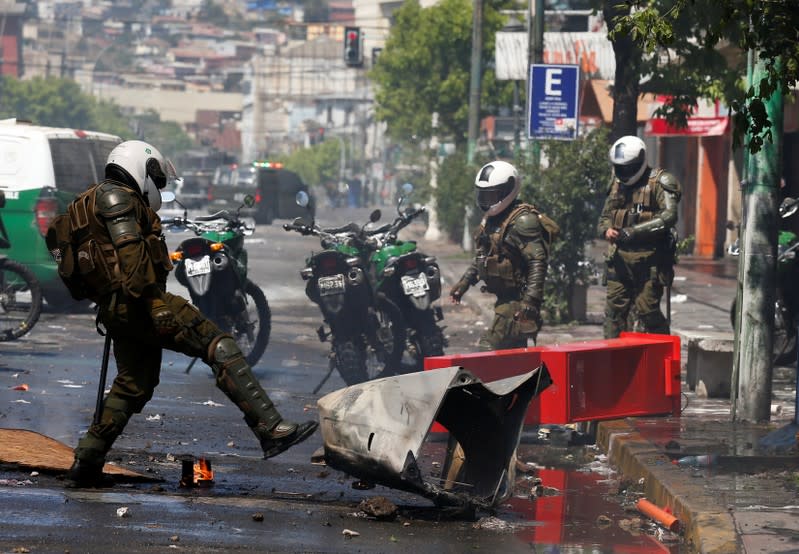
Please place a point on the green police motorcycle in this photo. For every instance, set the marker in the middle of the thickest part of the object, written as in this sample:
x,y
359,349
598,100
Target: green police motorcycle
x,y
366,329
212,265
412,280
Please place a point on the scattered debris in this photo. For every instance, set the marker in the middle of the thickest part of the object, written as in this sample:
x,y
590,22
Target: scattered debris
x,y
492,523
22,387
34,473
679,298
20,401
361,485
258,516
379,507
349,533
211,403
155,417
20,550
15,482
123,512
231,444
174,538
697,461
662,516
603,521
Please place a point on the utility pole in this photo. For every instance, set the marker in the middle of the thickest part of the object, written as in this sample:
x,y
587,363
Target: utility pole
x,y
757,267
474,83
433,232
536,38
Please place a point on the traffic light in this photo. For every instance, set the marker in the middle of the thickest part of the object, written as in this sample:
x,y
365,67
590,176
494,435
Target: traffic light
x,y
353,54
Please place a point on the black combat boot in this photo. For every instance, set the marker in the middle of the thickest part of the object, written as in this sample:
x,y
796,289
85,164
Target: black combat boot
x,y
85,474
234,377
283,436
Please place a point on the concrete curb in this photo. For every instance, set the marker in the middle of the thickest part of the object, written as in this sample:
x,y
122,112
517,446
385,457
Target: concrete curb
x,y
707,527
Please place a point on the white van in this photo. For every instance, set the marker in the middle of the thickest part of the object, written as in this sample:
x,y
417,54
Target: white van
x,y
41,170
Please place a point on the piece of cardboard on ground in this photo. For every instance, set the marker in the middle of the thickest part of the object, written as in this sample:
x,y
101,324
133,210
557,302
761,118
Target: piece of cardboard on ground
x,y
36,451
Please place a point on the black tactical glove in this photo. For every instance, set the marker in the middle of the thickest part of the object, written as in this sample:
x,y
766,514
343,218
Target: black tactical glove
x,y
625,235
164,320
530,310
459,289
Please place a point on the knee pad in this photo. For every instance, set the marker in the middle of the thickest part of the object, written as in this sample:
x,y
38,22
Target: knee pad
x,y
225,355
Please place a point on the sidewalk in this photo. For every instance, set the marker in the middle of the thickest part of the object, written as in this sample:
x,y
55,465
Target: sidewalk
x,y
748,499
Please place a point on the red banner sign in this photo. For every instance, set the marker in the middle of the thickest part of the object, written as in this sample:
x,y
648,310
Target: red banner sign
x,y
697,127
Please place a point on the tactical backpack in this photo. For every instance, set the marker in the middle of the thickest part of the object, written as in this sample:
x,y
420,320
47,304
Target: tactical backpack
x,y
85,265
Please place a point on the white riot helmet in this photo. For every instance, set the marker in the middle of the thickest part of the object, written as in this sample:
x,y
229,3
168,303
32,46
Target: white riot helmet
x,y
497,185
141,165
628,156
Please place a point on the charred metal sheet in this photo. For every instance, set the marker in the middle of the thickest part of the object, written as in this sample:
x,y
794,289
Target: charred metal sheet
x,y
375,430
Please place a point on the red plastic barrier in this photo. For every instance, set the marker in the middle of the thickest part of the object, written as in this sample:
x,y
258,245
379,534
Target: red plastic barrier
x,y
637,374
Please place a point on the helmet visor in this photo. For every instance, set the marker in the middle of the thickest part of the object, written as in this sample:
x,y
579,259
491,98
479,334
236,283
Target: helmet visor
x,y
162,174
489,196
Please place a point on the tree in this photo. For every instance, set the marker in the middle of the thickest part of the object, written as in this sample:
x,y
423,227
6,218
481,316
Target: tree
x,y
425,68
571,190
692,38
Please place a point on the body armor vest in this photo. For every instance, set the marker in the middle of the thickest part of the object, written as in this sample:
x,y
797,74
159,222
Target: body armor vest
x,y
499,266
88,262
631,206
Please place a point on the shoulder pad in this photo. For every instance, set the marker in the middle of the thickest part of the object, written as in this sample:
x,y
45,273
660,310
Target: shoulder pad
x,y
527,224
113,200
669,182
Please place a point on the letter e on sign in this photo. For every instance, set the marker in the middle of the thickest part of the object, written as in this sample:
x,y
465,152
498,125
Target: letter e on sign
x,y
552,80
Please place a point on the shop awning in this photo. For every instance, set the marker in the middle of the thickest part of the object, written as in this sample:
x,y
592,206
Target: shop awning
x,y
597,102
697,127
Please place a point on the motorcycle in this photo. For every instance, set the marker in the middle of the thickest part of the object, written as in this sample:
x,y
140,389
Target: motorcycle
x,y
213,266
785,306
367,331
412,280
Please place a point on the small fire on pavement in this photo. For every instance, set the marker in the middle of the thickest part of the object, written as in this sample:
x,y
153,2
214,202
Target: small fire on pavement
x,y
196,473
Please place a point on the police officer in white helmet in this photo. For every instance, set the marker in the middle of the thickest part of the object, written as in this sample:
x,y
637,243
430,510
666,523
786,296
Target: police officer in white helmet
x,y
511,258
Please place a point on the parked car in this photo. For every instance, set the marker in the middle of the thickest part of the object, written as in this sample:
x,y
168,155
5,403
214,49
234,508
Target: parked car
x,y
41,170
273,187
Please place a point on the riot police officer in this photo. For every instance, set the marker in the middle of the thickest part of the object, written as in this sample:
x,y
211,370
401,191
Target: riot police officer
x,y
511,258
125,271
638,221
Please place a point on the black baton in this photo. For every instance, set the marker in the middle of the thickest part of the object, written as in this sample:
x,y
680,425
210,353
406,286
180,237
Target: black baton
x,y
98,409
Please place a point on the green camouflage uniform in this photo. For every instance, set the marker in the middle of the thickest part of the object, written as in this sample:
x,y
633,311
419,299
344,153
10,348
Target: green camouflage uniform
x,y
127,274
641,262
512,254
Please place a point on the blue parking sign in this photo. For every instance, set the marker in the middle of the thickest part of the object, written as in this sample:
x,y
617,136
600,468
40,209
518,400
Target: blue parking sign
x,y
553,101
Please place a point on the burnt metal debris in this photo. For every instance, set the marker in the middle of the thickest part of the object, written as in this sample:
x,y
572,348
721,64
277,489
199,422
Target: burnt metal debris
x,y
375,431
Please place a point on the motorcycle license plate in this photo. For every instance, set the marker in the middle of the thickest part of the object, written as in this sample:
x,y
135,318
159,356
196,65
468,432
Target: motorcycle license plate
x,y
331,285
200,267
415,286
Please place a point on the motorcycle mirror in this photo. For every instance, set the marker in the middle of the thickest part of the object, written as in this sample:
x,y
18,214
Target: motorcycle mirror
x,y
167,196
249,201
407,188
789,207
375,216
302,199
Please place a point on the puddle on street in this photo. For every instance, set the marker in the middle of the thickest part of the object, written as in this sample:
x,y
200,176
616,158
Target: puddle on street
x,y
585,506
567,499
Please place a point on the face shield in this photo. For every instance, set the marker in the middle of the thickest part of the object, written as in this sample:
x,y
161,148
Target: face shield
x,y
491,196
159,176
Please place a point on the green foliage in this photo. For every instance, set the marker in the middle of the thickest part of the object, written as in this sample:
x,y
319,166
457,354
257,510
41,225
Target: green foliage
x,y
690,35
571,190
454,192
57,102
425,68
318,164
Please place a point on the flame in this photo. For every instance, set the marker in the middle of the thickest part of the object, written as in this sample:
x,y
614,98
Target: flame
x,y
203,472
